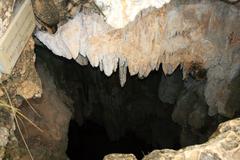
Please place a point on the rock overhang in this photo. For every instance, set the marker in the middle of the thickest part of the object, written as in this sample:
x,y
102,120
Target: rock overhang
x,y
172,35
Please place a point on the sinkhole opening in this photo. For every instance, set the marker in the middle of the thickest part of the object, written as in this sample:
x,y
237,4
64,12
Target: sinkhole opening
x,y
156,112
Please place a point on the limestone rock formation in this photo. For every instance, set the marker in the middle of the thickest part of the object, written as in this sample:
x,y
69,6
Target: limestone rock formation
x,y
223,145
183,33
201,38
120,157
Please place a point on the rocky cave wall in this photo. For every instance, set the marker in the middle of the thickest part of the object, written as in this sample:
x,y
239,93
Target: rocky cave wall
x,y
102,100
200,38
46,145
180,33
28,88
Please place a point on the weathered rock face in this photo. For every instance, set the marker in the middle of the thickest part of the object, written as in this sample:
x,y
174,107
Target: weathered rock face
x,y
191,112
54,110
136,106
180,33
120,157
22,84
24,80
201,37
6,9
223,145
50,12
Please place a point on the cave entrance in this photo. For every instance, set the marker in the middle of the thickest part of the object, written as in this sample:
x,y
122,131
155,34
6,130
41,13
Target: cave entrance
x,y
108,118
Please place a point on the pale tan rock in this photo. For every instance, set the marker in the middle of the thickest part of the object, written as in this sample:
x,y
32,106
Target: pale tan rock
x,y
120,157
4,134
26,82
28,90
1,93
171,38
6,9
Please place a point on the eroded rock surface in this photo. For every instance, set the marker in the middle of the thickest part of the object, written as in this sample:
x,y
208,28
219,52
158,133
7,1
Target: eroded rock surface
x,y
24,80
179,33
50,12
54,116
223,145
120,157
22,84
6,9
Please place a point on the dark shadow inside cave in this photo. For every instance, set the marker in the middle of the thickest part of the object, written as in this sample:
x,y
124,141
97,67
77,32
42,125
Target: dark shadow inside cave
x,y
108,118
90,141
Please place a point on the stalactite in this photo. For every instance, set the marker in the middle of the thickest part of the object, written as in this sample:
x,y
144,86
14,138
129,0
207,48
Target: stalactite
x,y
165,35
122,72
82,60
101,66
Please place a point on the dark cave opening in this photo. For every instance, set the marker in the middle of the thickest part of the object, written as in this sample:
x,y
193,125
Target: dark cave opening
x,y
90,141
108,118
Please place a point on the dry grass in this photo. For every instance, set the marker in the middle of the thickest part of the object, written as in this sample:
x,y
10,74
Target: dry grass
x,y
18,116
